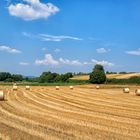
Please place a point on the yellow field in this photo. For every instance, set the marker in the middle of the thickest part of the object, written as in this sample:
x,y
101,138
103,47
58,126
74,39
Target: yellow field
x,y
117,76
84,113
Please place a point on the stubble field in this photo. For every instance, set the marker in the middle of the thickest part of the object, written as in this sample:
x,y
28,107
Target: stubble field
x,y
83,113
117,76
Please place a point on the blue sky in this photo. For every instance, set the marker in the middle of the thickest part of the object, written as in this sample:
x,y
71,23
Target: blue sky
x,y
62,36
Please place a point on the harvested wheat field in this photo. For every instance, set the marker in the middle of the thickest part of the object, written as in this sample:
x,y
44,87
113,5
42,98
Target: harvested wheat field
x,y
117,76
83,113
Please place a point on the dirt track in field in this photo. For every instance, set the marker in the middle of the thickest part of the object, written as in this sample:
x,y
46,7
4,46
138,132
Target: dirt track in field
x,y
84,113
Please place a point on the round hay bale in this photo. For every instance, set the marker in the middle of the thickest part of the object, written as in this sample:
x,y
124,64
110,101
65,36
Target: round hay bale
x,y
137,92
14,84
57,87
15,87
126,90
97,86
1,95
71,87
27,87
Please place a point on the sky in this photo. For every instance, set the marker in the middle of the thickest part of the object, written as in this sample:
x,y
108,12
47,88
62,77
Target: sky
x,y
69,35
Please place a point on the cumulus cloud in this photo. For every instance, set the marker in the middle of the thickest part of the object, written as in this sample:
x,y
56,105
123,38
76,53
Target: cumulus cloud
x,y
32,10
134,52
47,37
69,62
9,50
50,60
24,63
103,62
102,50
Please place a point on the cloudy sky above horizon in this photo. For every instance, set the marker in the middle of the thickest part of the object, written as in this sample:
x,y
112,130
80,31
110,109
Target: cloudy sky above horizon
x,y
63,36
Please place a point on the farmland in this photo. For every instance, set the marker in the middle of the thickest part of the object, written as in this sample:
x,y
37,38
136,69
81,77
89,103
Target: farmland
x,y
117,76
83,113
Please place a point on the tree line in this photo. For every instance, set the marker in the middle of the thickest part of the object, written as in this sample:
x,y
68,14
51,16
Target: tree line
x,y
8,77
45,77
48,77
97,76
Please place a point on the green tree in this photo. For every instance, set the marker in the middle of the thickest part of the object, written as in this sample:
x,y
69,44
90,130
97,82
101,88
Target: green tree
x,y
64,78
69,74
48,77
58,78
51,77
9,80
98,75
17,77
54,77
43,76
4,76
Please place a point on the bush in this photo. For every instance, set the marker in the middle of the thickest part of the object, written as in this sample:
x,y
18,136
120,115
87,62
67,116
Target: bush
x,y
116,81
131,80
110,72
98,75
122,72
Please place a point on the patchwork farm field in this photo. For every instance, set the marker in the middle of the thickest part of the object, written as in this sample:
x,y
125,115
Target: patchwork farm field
x,y
117,76
84,113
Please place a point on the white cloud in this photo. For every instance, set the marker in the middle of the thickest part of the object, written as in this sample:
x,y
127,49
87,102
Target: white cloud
x,y
32,9
47,37
102,50
135,52
24,63
103,62
88,63
8,49
69,62
48,60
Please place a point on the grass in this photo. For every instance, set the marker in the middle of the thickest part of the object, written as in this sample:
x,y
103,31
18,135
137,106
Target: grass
x,y
70,82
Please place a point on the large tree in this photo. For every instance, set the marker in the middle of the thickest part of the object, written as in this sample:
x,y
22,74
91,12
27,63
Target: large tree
x,y
54,77
48,77
17,77
98,75
4,76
